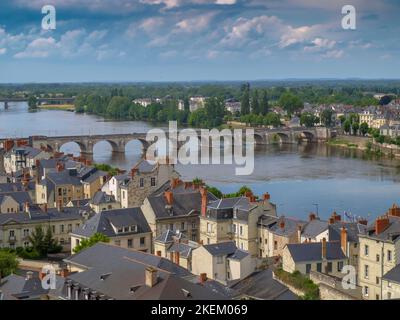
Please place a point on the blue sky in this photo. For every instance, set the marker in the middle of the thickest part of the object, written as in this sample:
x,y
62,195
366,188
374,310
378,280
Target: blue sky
x,y
178,40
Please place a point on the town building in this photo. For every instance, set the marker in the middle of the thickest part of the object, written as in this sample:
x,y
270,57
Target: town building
x,y
235,219
275,233
23,157
379,252
222,262
326,257
101,201
176,209
233,106
126,228
145,178
129,275
196,103
391,284
15,228
175,247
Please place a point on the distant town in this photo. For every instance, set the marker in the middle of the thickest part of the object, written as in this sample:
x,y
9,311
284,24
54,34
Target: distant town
x,y
96,225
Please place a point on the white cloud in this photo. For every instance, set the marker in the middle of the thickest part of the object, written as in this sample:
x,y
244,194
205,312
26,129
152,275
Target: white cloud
x,y
319,44
151,25
38,48
194,24
333,54
3,51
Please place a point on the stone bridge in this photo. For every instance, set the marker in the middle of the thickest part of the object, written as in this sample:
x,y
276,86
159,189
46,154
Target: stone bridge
x,y
118,142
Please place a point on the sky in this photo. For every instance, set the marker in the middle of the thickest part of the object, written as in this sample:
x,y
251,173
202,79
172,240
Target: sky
x,y
190,40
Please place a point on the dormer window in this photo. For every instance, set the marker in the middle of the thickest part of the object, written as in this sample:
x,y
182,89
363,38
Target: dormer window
x,y
120,230
133,228
126,229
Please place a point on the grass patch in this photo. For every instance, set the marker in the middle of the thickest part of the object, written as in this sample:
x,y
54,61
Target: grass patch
x,y
300,282
63,107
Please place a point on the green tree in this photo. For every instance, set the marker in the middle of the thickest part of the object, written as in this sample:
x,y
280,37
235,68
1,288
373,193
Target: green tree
x,y
43,242
347,126
342,119
245,101
8,263
272,119
355,126
87,243
364,128
264,104
290,102
215,191
326,117
255,104
308,119
32,102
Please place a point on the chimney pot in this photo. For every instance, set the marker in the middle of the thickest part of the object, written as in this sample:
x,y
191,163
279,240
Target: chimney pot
x,y
158,253
203,277
203,192
282,224
343,240
150,276
312,216
323,248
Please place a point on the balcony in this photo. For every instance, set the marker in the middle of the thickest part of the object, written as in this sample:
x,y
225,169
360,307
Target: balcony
x,y
12,239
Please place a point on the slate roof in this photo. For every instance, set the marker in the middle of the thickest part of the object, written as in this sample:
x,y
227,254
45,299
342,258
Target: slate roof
x,y
67,213
17,186
102,197
63,177
169,236
314,227
28,151
312,252
94,176
185,250
393,275
353,230
239,255
123,274
290,226
103,221
18,287
21,197
145,167
183,204
261,285
391,233
221,249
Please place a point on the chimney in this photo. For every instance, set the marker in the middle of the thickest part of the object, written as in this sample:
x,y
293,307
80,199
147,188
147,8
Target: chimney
x,y
169,196
64,272
363,222
323,248
282,224
175,182
177,255
331,220
381,224
394,211
133,172
158,253
312,216
203,192
150,276
60,167
266,197
343,240
203,277
299,233
336,217
29,275
42,275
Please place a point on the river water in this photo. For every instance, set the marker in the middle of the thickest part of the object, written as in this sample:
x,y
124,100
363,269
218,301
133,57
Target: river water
x,y
300,178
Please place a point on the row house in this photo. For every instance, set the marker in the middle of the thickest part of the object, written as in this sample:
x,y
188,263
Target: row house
x,y
235,219
15,228
126,228
145,178
22,157
177,208
379,253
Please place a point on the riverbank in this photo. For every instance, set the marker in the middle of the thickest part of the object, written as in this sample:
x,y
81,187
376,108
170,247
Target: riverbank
x,y
353,142
62,107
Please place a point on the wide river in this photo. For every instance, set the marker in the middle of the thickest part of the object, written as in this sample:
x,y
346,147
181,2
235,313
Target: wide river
x,y
300,178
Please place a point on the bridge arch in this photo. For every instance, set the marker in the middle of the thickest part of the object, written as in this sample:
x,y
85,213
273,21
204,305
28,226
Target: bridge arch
x,y
72,147
306,135
280,137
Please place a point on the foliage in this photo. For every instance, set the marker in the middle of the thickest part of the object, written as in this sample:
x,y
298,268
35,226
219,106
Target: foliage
x,y
347,126
107,168
43,242
245,101
290,102
299,281
364,128
32,102
87,243
215,191
308,119
326,117
8,263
